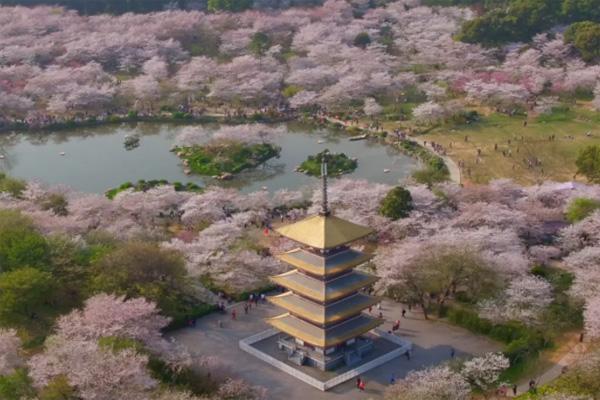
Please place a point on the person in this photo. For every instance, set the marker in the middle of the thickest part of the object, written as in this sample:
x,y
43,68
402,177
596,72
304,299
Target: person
x,y
358,381
407,354
361,386
392,379
514,389
396,325
452,352
233,315
403,313
246,308
380,315
532,387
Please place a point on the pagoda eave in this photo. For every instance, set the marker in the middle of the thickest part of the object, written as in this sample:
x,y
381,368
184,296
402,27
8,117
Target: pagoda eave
x,y
324,338
320,314
306,261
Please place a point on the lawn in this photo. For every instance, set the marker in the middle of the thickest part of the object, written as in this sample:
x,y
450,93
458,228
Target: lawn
x,y
522,142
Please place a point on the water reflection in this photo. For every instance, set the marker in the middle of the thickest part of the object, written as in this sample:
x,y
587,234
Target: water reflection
x,y
95,158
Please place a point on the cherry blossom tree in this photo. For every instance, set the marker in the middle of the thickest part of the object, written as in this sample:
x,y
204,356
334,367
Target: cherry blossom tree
x,y
10,347
371,107
523,300
484,372
429,112
436,383
96,373
591,316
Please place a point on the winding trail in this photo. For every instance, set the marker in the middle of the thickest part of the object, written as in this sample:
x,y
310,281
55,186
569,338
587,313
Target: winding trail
x,y
455,175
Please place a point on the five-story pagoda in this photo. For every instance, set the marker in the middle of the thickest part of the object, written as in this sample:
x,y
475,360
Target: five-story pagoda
x,y
324,304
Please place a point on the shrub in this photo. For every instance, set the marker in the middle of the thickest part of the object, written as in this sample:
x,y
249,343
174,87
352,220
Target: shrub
x,y
14,187
581,208
396,204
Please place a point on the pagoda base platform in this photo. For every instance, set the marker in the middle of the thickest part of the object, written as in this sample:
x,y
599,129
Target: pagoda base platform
x,y
348,355
385,347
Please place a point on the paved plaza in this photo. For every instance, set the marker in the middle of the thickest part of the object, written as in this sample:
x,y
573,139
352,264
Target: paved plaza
x,y
432,343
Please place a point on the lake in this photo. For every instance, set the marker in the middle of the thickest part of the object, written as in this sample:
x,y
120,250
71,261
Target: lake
x,y
95,158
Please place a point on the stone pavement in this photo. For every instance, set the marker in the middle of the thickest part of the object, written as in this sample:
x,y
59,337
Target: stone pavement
x,y
433,342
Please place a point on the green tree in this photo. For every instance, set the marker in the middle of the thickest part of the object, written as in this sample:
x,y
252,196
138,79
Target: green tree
x,y
588,163
20,244
14,187
58,389
362,40
57,203
437,274
228,5
16,386
585,37
25,296
581,208
581,10
396,204
142,269
259,44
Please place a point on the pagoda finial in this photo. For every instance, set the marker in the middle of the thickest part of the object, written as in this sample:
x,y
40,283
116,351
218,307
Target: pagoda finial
x,y
325,205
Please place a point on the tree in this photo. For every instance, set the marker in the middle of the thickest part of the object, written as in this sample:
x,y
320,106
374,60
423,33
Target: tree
x,y
436,274
20,244
228,5
581,10
14,187
259,44
362,40
437,383
588,163
396,204
10,347
143,269
581,208
57,203
585,37
25,296
484,372
591,317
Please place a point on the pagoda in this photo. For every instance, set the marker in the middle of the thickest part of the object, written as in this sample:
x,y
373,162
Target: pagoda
x,y
324,325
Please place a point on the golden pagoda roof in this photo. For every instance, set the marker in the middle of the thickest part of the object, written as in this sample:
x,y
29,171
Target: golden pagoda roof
x,y
315,336
324,231
319,265
320,314
324,291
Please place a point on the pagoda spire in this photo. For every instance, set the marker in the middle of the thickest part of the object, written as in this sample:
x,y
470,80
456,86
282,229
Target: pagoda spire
x,y
324,203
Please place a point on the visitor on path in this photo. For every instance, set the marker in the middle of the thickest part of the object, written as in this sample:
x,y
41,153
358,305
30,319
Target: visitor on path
x,y
358,381
452,352
380,315
532,388
396,325
514,389
361,386
245,308
407,354
233,315
392,379
403,313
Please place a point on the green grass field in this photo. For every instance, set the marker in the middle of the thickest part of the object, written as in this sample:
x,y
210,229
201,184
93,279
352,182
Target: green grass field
x,y
573,130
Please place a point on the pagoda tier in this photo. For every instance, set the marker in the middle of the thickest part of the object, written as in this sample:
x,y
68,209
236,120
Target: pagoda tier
x,y
332,264
324,338
324,315
324,231
324,291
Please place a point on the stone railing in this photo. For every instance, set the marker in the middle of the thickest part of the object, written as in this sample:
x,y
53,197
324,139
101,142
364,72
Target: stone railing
x,y
246,345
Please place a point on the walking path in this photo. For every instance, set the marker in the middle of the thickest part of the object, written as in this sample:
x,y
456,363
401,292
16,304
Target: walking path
x,y
455,175
572,355
433,343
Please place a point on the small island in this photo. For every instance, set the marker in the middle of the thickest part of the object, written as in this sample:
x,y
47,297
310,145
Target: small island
x,y
143,186
337,164
224,158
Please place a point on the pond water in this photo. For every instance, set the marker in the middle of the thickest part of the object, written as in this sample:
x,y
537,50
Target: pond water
x,y
95,159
